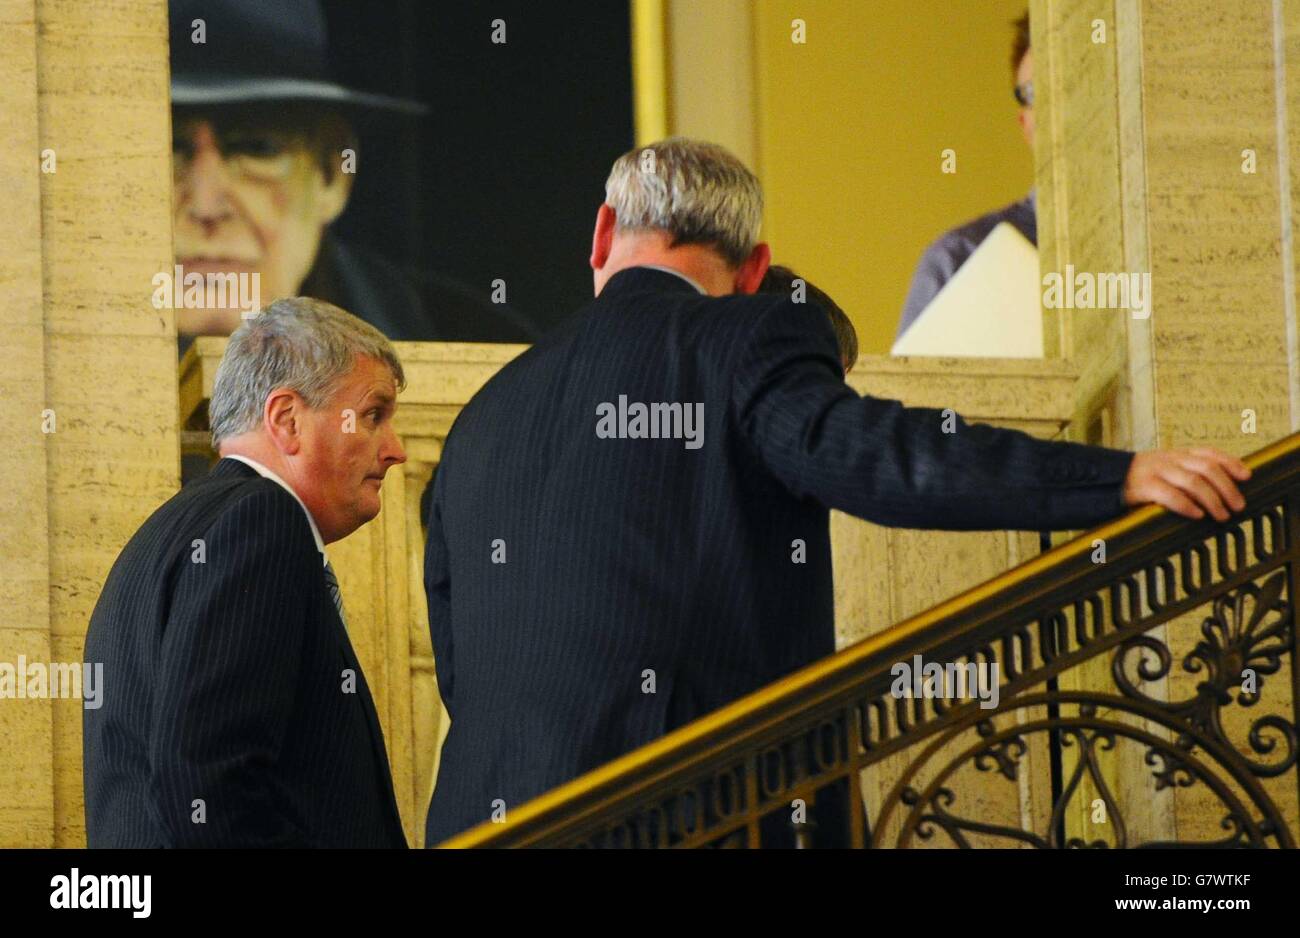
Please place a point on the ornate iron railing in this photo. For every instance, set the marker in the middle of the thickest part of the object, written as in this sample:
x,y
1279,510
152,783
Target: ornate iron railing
x,y
1146,696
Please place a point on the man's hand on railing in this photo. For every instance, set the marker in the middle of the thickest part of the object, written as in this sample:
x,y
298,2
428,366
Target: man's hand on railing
x,y
1187,481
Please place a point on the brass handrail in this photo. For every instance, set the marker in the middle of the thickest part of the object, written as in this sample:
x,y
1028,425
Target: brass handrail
x,y
1058,576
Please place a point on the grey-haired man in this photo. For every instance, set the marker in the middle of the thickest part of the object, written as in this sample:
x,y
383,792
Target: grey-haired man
x,y
235,712
630,524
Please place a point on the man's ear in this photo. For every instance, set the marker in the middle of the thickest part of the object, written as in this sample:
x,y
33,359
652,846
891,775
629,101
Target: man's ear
x,y
332,194
753,269
282,419
602,238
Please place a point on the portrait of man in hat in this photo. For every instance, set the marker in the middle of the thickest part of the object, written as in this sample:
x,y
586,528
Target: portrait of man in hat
x,y
265,152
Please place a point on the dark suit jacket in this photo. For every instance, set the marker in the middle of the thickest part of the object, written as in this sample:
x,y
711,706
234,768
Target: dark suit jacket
x,y
223,682
629,555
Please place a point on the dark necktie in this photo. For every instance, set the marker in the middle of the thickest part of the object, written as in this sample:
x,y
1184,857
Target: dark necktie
x,y
333,583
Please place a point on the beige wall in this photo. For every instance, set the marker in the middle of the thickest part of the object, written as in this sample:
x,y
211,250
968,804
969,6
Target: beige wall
x,y
79,248
26,727
711,74
1143,171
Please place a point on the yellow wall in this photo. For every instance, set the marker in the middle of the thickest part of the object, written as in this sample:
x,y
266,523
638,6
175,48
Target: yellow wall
x,y
850,127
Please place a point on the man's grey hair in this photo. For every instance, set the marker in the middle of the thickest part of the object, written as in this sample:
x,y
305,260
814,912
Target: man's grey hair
x,y
697,192
299,343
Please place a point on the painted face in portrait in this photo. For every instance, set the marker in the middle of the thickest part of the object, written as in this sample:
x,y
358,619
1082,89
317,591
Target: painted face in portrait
x,y
252,194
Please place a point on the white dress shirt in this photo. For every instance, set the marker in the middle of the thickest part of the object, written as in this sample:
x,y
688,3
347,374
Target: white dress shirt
x,y
678,273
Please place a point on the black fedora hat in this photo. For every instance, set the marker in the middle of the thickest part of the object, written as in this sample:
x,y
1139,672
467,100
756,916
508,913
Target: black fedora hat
x,y
256,51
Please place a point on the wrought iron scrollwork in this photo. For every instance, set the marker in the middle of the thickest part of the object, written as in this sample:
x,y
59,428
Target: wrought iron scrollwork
x,y
1247,634
1089,726
1036,631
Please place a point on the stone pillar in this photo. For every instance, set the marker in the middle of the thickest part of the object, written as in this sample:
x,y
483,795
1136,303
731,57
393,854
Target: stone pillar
x,y
1166,135
88,435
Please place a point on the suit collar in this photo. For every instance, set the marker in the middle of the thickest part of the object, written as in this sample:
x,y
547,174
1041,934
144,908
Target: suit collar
x,y
267,473
225,468
677,273
650,280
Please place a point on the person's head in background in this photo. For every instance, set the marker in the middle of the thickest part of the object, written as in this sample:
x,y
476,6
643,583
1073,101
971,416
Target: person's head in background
x,y
687,205
1022,70
254,188
784,280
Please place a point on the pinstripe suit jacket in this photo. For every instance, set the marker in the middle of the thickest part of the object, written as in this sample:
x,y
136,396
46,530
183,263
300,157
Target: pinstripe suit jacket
x,y
224,720
626,556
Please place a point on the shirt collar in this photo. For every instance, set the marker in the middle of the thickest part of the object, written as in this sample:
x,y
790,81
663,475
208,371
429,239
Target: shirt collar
x,y
676,273
268,474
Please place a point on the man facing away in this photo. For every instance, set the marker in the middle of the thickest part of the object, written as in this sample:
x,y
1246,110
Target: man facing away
x,y
613,543
235,713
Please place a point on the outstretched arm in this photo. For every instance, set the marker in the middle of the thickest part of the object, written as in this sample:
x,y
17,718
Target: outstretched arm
x,y
927,468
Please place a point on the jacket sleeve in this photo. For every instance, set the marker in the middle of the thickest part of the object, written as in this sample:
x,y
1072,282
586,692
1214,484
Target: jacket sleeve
x,y
229,661
437,588
902,466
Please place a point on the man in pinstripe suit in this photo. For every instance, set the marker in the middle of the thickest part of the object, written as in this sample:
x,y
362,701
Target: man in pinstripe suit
x,y
629,527
235,713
